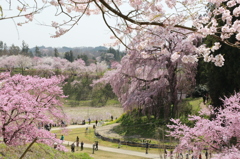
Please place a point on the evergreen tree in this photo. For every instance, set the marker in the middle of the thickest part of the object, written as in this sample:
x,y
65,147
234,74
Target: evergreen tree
x,y
56,53
117,54
221,81
30,53
5,49
69,56
38,52
224,81
1,48
25,49
14,50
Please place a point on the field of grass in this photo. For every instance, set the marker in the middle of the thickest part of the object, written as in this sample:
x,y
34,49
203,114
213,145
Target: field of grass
x,y
77,114
195,103
90,138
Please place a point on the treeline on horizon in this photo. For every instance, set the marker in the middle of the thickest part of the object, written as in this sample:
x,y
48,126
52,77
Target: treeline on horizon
x,y
78,84
88,54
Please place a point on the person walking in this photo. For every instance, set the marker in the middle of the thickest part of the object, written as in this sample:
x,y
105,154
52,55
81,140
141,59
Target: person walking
x,y
73,147
89,121
204,99
82,146
77,143
147,146
200,156
206,154
62,138
96,145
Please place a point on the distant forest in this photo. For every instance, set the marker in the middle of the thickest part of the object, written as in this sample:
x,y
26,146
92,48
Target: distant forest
x,y
88,54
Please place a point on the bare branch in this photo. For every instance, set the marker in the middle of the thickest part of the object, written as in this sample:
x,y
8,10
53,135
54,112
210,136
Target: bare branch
x,y
138,22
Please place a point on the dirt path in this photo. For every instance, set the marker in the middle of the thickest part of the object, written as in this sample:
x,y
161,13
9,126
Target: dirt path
x,y
107,131
204,107
116,150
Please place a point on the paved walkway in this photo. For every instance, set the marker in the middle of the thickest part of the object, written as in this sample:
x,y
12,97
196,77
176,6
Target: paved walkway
x,y
128,152
107,131
74,126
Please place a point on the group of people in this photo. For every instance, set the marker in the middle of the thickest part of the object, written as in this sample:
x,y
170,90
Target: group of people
x,y
55,144
77,145
188,155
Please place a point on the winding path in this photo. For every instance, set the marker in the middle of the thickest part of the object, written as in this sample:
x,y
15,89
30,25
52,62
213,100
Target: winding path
x,y
107,131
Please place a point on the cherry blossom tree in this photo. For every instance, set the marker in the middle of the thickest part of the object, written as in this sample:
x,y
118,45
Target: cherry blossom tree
x,y
154,80
59,64
8,62
44,66
220,134
23,62
81,83
48,66
75,66
26,102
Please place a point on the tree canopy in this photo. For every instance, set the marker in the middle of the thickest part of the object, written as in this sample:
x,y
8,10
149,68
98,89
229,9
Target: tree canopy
x,y
28,103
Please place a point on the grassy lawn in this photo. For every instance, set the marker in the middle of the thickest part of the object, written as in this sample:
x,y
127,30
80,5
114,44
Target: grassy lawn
x,y
74,103
90,138
84,112
195,104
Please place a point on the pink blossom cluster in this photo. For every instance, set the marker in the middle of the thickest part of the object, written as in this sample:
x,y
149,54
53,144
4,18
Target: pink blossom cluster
x,y
219,135
148,72
26,102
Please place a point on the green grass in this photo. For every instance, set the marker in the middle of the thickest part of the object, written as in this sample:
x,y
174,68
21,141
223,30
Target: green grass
x,y
90,138
38,151
74,103
195,103
113,102
85,103
147,127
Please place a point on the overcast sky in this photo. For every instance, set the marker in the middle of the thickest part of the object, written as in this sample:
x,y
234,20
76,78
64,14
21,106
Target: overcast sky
x,y
91,31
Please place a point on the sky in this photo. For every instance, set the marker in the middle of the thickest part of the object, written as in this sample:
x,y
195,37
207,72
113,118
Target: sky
x,y
90,32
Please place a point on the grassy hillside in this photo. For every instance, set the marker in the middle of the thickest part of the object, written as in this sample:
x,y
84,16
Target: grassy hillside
x,y
134,123
38,151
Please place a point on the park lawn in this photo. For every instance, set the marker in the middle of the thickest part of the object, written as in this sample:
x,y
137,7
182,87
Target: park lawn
x,y
195,104
84,103
91,138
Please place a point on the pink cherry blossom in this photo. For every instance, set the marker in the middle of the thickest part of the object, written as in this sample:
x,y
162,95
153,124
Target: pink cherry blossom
x,y
220,134
26,102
